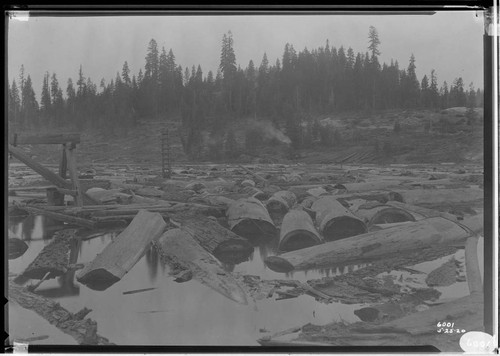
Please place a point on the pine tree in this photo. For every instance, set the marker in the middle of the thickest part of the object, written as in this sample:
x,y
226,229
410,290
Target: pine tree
x,y
374,41
30,107
434,94
14,104
126,74
228,69
425,93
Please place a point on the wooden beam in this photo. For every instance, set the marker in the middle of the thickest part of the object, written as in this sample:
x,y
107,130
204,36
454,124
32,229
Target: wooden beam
x,y
47,139
70,155
63,165
37,167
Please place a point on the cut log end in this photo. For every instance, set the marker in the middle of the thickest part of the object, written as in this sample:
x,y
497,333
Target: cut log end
x,y
98,279
342,227
391,215
298,239
254,229
278,264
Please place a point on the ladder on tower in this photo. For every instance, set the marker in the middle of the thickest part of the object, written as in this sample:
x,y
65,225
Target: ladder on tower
x,y
166,168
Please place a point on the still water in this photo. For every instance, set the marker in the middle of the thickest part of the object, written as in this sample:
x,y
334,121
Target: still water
x,y
172,313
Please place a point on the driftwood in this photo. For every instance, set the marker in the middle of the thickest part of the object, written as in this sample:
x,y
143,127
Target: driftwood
x,y
298,231
335,221
250,219
429,232
84,331
214,238
53,259
179,250
123,253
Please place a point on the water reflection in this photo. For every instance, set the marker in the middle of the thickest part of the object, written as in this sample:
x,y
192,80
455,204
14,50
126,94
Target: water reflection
x,y
36,227
153,263
196,313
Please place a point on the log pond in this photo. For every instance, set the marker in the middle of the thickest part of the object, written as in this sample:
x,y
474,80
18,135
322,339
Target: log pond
x,y
147,307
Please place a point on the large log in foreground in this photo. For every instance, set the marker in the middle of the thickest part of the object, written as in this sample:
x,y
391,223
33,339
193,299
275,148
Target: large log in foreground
x,y
424,233
123,253
298,231
249,218
179,250
335,221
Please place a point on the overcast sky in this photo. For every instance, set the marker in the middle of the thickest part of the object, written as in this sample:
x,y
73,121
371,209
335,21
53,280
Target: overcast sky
x,y
449,42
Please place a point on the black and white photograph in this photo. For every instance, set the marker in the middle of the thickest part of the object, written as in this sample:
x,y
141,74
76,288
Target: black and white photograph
x,y
276,180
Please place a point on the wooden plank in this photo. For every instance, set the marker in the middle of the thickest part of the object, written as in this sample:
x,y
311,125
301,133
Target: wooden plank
x,y
70,154
23,139
181,251
123,253
417,235
44,172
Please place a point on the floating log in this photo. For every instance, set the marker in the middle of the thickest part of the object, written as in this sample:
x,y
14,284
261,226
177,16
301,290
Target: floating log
x,y
179,249
53,259
255,175
417,235
428,197
419,212
214,238
59,217
84,331
335,221
281,202
123,253
367,186
250,219
380,196
298,231
379,213
104,196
